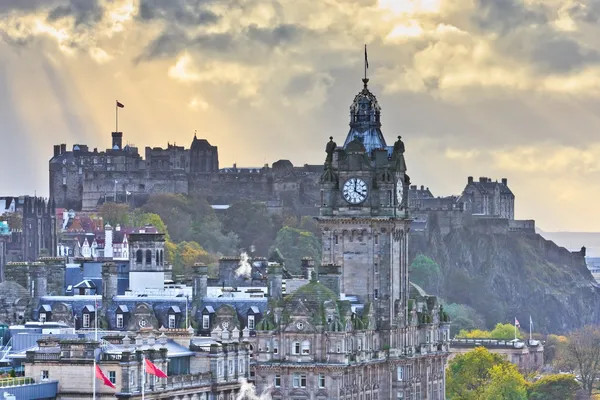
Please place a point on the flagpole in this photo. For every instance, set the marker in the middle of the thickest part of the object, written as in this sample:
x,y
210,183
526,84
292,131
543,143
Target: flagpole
x,y
116,118
515,328
530,328
365,61
94,378
143,375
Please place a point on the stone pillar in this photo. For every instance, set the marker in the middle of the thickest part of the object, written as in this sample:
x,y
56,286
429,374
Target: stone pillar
x,y
108,241
39,280
200,289
109,284
308,267
274,281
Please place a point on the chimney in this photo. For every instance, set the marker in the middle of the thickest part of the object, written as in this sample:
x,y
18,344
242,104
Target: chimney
x,y
109,284
117,140
413,187
56,150
308,267
505,181
274,281
330,277
108,241
482,179
469,180
422,187
63,148
200,289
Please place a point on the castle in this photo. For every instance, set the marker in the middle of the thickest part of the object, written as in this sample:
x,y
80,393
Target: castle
x,y
82,179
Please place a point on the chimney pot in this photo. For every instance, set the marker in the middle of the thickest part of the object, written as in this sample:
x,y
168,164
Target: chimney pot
x,y
470,179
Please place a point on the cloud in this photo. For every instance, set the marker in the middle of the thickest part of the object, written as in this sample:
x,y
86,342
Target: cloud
x,y
506,85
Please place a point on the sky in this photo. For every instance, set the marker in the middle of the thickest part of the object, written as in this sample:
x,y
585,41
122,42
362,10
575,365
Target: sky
x,y
496,88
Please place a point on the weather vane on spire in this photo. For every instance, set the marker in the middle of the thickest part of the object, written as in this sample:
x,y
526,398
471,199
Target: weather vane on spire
x,y
365,80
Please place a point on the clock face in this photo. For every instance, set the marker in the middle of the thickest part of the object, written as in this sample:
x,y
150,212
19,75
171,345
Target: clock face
x,y
355,191
399,192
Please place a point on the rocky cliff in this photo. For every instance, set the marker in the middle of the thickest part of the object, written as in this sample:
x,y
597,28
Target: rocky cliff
x,y
508,275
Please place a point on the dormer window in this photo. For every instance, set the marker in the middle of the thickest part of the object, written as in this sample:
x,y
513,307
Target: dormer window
x,y
173,316
86,320
172,321
119,321
205,321
42,317
251,322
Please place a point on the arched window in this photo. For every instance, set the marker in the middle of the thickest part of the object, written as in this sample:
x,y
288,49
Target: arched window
x,y
157,257
148,256
138,256
275,346
306,347
161,256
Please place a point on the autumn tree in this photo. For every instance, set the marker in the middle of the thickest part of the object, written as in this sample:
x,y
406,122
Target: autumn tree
x,y
583,351
505,383
501,331
13,219
186,254
468,374
554,387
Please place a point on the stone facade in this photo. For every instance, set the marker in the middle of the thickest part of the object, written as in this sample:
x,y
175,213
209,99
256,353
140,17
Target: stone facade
x,y
485,197
359,329
82,179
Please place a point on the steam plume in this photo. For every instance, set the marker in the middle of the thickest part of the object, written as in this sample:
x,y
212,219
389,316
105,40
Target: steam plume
x,y
244,269
248,392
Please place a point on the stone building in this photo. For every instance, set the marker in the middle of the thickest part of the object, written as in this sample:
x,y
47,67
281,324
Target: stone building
x,y
489,198
359,329
527,355
82,179
197,368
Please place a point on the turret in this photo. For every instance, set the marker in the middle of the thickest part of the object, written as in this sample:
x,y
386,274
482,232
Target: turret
x,y
117,141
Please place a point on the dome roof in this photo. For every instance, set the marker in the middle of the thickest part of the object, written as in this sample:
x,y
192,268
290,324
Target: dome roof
x,y
313,295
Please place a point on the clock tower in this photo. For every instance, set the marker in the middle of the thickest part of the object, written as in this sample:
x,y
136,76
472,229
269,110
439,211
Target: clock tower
x,y
363,214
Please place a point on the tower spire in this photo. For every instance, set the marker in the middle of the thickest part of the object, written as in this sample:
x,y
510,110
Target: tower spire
x,y
365,79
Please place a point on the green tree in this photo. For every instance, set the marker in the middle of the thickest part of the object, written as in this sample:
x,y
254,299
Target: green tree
x,y
463,317
251,222
295,244
114,214
468,374
426,273
505,331
208,232
554,387
506,383
138,218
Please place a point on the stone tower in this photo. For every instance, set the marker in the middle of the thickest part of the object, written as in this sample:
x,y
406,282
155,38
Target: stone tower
x,y
39,228
146,260
363,216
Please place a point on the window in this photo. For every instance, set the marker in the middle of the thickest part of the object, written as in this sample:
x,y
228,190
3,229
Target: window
x,y
321,381
376,294
241,366
296,348
86,320
42,317
205,321
230,370
427,337
112,376
400,395
119,320
132,381
45,374
275,346
306,347
148,256
277,381
251,322
171,321
336,239
299,381
219,368
138,256
400,374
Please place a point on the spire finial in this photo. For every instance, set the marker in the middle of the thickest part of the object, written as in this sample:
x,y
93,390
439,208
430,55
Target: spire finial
x,y
366,65
195,132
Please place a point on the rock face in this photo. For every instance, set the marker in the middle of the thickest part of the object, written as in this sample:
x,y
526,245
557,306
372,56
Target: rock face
x,y
509,275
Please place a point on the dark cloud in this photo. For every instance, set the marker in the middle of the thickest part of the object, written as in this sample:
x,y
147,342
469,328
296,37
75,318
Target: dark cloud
x,y
281,34
180,12
588,11
503,16
167,45
84,11
562,55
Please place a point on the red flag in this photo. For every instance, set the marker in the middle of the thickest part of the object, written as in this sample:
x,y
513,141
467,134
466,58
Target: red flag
x,y
517,324
154,370
120,105
100,375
